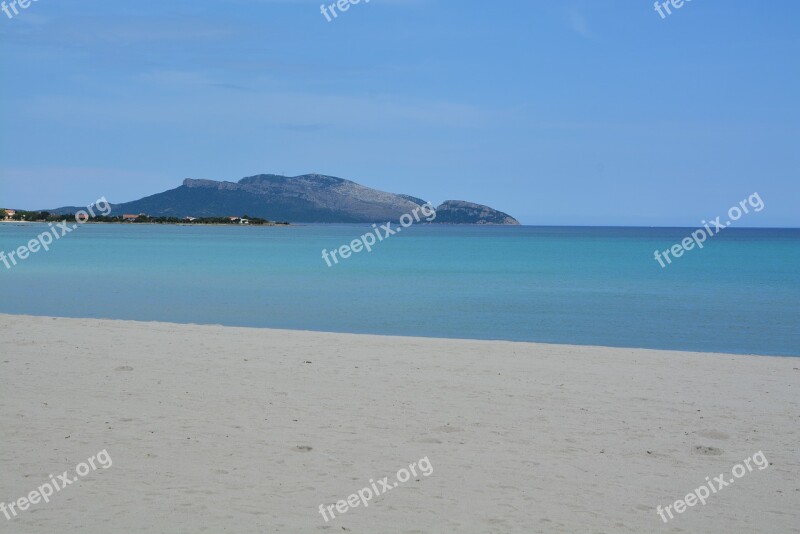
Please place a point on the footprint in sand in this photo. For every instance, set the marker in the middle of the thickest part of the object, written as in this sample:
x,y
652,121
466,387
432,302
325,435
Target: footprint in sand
x,y
124,368
708,451
713,434
428,440
303,448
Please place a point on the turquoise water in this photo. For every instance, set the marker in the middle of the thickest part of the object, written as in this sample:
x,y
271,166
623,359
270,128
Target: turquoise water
x,y
598,286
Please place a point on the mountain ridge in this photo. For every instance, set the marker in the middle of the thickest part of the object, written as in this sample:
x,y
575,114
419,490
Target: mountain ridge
x,y
308,198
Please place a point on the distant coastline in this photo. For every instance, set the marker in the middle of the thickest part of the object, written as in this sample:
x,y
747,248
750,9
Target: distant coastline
x,y
18,216
282,224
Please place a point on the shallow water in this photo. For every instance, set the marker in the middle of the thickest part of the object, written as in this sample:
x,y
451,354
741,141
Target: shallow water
x,y
598,286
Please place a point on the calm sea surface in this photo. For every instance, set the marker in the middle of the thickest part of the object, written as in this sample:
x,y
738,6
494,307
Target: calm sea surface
x,y
598,286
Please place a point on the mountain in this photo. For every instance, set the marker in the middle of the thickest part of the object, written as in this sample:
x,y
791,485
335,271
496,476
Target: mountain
x,y
462,212
306,198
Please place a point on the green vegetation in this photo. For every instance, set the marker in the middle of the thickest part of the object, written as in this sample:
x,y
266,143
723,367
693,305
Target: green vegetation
x,y
43,216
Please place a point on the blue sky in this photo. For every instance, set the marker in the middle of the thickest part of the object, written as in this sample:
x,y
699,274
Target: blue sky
x,y
557,112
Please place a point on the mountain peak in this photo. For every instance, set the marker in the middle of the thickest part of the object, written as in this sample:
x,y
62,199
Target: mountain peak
x,y
304,180
210,184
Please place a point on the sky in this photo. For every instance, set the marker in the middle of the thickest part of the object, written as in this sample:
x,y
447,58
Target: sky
x,y
556,112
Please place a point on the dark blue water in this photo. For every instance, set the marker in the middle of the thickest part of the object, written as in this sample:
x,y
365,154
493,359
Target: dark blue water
x,y
598,286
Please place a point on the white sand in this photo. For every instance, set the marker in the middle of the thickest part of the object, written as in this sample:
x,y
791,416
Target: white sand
x,y
204,431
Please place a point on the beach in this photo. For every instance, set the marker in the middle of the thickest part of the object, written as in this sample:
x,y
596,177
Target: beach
x,y
227,429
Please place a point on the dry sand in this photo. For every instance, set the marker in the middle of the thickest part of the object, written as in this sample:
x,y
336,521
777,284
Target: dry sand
x,y
209,430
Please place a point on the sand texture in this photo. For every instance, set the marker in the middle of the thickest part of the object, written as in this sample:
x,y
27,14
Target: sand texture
x,y
216,429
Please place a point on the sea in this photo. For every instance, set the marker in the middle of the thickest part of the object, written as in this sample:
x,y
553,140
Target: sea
x,y
739,294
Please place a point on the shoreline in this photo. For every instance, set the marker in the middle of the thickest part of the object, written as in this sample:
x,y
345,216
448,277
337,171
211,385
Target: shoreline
x,y
389,337
251,429
155,223
434,224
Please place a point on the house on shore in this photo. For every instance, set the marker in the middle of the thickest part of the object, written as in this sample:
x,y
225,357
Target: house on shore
x,y
9,214
131,217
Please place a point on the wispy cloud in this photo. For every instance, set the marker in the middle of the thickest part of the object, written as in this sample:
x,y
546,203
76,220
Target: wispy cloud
x,y
256,106
25,189
578,23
